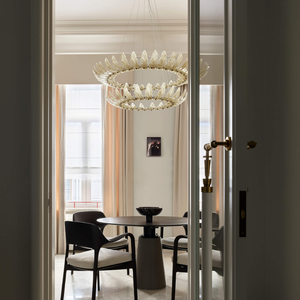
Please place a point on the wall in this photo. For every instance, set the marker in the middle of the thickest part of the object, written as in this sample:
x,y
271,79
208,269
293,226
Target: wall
x,y
15,150
78,69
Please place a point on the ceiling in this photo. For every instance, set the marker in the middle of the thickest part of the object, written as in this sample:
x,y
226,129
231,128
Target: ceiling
x,y
114,26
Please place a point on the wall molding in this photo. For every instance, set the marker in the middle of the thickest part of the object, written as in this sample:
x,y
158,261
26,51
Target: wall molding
x,y
120,27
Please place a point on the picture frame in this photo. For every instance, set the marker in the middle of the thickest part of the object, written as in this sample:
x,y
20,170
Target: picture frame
x,y
153,146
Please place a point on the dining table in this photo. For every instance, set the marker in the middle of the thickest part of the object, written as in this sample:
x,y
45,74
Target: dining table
x,y
150,266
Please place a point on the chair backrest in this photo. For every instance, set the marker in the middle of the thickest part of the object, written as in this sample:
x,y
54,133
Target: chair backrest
x,y
215,220
89,217
218,240
84,234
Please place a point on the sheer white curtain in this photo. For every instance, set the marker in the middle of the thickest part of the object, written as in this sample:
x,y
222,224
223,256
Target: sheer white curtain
x,y
60,167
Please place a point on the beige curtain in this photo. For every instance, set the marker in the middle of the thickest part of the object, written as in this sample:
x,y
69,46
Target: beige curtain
x,y
180,165
60,168
118,164
217,167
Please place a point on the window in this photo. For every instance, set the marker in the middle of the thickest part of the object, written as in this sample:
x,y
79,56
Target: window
x,y
83,156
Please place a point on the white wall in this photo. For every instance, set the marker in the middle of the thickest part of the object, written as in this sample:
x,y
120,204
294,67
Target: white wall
x,y
78,69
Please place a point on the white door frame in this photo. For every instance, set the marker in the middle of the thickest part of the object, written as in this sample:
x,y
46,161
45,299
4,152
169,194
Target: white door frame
x,y
42,150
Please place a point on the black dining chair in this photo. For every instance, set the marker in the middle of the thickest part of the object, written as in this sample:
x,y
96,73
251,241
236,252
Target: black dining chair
x,y
91,217
168,243
96,259
180,261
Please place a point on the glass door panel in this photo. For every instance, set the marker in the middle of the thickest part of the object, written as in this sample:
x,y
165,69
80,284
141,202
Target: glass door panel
x,y
210,120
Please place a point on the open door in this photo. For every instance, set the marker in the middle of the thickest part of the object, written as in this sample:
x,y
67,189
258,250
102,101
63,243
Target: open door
x,y
217,195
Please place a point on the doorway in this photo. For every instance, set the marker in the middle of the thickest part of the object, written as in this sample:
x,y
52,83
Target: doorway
x,y
200,138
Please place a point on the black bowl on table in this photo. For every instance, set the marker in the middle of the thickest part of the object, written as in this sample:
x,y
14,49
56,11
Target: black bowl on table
x,y
149,212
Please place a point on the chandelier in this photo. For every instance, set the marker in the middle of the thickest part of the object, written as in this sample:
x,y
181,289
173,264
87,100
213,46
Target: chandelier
x,y
150,97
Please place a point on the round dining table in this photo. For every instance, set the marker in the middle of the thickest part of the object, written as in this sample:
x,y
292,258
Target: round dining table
x,y
150,266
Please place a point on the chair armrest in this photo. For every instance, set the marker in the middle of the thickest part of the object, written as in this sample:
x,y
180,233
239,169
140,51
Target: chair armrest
x,y
175,250
125,235
178,237
118,237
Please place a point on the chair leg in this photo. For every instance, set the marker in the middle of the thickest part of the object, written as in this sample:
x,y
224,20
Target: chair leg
x,y
134,283
94,285
173,283
127,250
73,254
63,284
98,280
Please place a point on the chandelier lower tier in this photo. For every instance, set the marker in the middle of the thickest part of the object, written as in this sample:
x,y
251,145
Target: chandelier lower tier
x,y
137,97
137,100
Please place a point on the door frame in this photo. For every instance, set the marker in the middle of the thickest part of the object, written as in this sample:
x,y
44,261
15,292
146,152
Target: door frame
x,y
42,161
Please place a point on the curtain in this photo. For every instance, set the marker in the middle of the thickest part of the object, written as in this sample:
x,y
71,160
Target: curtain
x,y
180,164
180,167
117,164
60,167
217,134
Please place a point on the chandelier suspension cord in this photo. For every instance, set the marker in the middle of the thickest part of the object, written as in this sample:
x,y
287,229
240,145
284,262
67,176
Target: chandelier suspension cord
x,y
121,47
153,13
144,34
135,27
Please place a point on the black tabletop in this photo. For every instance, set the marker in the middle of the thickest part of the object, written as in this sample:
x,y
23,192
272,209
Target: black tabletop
x,y
158,221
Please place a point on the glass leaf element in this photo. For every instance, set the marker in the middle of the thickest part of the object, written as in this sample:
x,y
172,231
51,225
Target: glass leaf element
x,y
125,62
171,60
115,63
149,91
109,66
162,60
154,59
134,61
144,60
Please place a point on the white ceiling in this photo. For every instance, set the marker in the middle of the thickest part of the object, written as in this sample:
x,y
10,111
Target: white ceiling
x,y
102,26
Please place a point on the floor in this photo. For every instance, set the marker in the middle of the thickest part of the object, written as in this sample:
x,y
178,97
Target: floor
x,y
117,285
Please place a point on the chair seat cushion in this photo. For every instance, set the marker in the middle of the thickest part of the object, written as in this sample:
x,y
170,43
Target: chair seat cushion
x,y
119,243
182,259
107,257
169,241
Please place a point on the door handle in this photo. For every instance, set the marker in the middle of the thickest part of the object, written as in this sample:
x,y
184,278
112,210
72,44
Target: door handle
x,y
251,145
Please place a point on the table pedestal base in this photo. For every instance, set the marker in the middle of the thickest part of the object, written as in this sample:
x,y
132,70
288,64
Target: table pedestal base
x,y
150,266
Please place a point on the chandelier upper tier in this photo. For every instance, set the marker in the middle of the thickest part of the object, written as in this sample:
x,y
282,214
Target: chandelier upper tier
x,y
133,93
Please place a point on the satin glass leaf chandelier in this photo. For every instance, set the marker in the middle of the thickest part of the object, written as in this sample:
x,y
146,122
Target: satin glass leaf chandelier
x,y
139,97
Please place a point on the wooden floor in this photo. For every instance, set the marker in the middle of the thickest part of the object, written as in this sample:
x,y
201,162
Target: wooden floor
x,y
117,285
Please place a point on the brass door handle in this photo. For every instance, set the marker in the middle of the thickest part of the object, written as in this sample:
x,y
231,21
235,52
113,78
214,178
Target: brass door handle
x,y
251,145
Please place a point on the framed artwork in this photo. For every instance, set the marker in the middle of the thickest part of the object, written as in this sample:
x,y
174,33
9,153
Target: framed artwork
x,y
153,146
